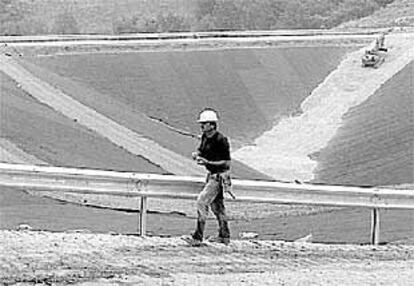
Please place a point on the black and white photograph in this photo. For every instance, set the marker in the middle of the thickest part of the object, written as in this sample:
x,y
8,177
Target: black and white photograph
x,y
206,142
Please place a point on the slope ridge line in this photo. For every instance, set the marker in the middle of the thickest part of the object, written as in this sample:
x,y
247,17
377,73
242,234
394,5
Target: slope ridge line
x,y
119,135
10,153
285,151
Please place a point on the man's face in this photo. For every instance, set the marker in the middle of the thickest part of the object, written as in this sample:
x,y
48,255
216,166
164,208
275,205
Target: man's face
x,y
206,127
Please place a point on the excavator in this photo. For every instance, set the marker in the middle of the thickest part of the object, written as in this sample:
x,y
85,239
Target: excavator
x,y
375,56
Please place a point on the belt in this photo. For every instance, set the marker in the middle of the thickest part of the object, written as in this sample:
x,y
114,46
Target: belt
x,y
224,180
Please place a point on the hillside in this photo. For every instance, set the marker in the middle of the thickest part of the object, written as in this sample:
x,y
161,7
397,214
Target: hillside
x,y
51,137
157,94
291,148
246,85
27,17
400,13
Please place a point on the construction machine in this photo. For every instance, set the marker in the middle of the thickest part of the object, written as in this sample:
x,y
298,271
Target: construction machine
x,y
375,56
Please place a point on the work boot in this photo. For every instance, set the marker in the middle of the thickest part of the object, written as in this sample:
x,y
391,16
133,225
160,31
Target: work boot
x,y
218,239
192,241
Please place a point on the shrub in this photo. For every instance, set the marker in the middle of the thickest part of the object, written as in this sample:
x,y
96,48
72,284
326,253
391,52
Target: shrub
x,y
171,22
127,25
383,3
11,13
166,22
65,23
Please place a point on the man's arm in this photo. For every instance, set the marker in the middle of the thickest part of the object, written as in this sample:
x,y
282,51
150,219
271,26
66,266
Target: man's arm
x,y
221,163
197,152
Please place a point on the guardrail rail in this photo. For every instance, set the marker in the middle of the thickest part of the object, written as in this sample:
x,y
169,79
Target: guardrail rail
x,y
88,181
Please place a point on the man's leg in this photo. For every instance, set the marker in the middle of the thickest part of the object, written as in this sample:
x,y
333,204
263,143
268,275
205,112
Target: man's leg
x,y
219,210
205,198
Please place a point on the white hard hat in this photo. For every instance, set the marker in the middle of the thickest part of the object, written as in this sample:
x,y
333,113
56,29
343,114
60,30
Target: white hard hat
x,y
208,115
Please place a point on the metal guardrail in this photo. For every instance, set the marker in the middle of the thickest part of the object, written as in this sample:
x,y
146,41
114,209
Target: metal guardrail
x,y
87,181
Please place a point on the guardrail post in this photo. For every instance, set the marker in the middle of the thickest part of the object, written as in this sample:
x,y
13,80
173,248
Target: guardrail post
x,y
143,216
141,186
375,231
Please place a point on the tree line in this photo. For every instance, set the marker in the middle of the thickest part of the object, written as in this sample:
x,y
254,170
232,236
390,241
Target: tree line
x,y
207,15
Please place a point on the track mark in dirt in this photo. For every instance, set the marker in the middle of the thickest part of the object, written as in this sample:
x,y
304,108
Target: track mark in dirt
x,y
10,153
285,151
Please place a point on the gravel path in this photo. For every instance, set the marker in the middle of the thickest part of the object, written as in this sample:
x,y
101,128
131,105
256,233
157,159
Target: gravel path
x,y
29,257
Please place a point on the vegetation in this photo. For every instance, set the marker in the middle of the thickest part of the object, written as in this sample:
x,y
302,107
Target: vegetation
x,y
10,14
19,17
277,14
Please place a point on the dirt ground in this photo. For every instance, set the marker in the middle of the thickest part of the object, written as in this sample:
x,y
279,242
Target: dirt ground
x,y
47,258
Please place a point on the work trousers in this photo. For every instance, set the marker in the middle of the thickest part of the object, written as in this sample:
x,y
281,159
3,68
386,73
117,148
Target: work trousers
x,y
211,196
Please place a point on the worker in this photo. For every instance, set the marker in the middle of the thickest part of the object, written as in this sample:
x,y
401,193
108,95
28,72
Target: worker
x,y
213,153
380,44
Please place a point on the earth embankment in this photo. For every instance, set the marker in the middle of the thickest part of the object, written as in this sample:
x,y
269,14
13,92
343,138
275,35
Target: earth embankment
x,y
119,135
252,88
374,146
287,150
255,89
38,130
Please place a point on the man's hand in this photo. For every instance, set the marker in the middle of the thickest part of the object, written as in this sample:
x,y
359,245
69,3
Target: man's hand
x,y
201,161
229,195
194,155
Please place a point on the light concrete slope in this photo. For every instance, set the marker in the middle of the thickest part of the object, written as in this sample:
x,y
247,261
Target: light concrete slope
x,y
116,133
285,151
